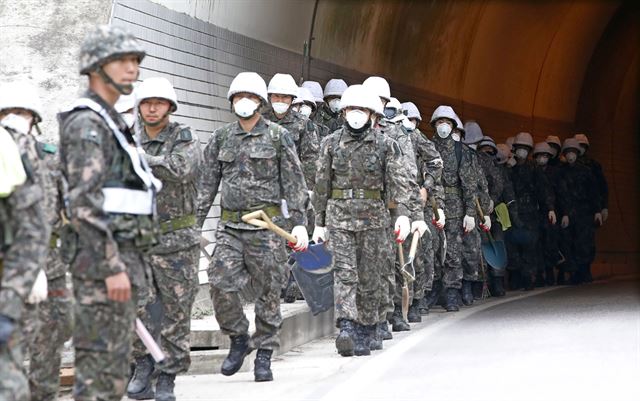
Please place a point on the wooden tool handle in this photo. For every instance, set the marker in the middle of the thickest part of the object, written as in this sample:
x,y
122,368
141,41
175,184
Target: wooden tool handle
x,y
414,245
400,254
260,219
434,207
479,209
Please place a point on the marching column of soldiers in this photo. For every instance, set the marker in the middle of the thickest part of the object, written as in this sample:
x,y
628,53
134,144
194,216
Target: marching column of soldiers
x,y
120,203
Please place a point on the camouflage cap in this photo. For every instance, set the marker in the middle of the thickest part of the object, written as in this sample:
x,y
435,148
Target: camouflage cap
x,y
105,44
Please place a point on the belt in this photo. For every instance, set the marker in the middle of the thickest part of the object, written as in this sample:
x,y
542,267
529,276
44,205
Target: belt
x,y
452,190
235,216
53,241
351,193
178,223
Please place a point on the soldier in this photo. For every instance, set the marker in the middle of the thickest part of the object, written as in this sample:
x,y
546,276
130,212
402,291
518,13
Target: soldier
x,y
255,163
329,112
308,109
23,237
460,187
582,212
174,155
356,166
318,97
111,197
533,195
556,147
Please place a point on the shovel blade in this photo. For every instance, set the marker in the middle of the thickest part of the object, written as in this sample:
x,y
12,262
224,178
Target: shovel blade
x,y
316,259
495,253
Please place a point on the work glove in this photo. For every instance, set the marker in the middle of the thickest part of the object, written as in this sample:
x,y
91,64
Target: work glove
x,y
468,223
486,225
605,215
598,218
565,222
402,228
6,329
491,206
552,217
300,232
420,226
311,196
441,221
424,195
319,234
39,290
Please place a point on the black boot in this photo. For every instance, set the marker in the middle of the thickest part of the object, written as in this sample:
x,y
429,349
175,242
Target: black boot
x,y
397,322
423,306
238,351
361,343
344,341
587,277
528,282
549,277
262,366
497,287
413,316
383,328
434,294
467,293
476,288
292,292
164,387
452,300
139,387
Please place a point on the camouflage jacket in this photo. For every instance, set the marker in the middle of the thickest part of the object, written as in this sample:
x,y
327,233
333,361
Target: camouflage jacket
x,y
23,231
495,182
372,162
329,119
601,181
303,133
582,194
459,181
531,189
557,185
482,191
254,170
92,159
175,157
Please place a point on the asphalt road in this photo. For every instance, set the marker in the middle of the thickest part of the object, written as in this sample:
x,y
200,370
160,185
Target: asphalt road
x,y
569,343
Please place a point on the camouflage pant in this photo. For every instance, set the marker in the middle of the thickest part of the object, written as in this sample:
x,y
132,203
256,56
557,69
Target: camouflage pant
x,y
387,276
175,277
434,256
550,244
255,257
102,339
471,254
13,381
577,242
47,326
452,269
358,260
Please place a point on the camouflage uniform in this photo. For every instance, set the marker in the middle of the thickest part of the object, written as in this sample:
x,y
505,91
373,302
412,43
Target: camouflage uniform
x,y
255,170
325,117
175,157
550,234
352,175
49,323
108,243
23,241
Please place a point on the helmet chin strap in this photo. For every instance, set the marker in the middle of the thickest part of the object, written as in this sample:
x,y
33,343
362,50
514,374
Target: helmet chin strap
x,y
122,89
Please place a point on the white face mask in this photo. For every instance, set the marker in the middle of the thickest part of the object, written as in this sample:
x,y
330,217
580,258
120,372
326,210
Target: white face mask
x,y
295,107
280,108
408,124
306,110
129,119
245,108
334,105
18,123
443,130
571,157
356,119
473,146
455,137
542,160
522,153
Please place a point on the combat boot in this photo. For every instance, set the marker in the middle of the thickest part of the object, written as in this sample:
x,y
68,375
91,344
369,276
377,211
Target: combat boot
x,y
292,291
477,289
587,277
413,316
397,322
467,293
139,387
452,300
239,350
497,287
164,387
262,366
361,343
383,328
344,341
375,344
528,283
423,306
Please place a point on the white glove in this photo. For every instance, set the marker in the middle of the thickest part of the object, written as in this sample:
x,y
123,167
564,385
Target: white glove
x,y
565,222
311,196
319,234
39,290
300,232
605,215
441,221
486,225
421,226
469,223
552,217
402,228
491,205
598,218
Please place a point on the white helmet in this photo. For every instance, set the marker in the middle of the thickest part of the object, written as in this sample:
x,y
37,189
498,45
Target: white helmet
x,y
379,86
21,95
358,96
283,84
335,87
459,126
582,139
315,89
473,132
444,112
249,82
523,139
306,96
125,102
159,88
412,110
395,105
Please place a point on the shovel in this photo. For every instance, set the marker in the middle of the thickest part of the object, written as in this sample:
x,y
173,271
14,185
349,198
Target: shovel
x,y
443,236
494,252
315,259
408,276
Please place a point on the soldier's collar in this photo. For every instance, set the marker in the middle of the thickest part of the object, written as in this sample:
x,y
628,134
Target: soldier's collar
x,y
162,136
257,130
